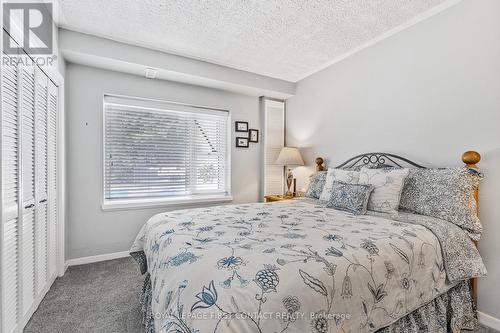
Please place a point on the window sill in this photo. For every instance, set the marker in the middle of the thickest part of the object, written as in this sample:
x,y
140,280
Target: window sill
x,y
162,202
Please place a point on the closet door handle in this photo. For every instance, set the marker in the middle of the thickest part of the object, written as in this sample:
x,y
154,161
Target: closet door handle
x,y
29,206
42,201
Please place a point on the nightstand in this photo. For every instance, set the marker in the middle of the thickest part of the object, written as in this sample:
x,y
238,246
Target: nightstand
x,y
277,197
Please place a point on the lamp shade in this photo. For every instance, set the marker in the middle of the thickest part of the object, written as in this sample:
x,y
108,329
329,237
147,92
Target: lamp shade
x,y
289,156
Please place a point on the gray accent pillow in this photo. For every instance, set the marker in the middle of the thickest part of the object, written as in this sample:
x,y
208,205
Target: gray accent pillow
x,y
337,175
447,194
352,198
316,184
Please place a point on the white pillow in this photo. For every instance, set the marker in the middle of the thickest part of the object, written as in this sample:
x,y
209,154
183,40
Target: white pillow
x,y
388,184
339,175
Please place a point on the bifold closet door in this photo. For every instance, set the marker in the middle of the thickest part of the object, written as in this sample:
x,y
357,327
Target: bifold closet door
x,y
10,198
41,196
52,103
28,199
27,208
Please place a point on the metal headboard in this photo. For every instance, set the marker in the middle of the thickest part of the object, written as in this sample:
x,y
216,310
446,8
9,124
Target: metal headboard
x,y
378,160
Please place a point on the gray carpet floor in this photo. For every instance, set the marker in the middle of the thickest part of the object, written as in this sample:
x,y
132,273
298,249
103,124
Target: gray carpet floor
x,y
102,297
97,298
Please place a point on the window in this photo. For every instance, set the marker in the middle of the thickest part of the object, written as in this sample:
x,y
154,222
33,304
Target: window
x,y
157,152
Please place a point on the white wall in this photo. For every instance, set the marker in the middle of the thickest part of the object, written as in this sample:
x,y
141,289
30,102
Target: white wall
x,y
108,54
428,93
90,231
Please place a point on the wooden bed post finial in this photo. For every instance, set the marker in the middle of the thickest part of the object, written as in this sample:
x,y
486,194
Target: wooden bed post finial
x,y
471,158
319,164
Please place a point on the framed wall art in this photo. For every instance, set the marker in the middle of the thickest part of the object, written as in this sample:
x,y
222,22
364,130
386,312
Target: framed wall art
x,y
241,126
241,142
253,135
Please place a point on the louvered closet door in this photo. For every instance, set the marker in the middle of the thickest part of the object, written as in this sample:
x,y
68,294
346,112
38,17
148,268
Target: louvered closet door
x,y
10,188
41,196
52,175
27,91
28,187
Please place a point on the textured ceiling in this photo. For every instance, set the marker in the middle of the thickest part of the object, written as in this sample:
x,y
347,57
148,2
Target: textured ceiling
x,y
286,39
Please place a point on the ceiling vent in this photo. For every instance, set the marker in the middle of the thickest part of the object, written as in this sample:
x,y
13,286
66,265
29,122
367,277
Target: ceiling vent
x,y
151,73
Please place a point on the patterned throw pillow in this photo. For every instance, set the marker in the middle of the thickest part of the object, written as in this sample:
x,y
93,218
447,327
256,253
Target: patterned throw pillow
x,y
316,184
352,198
447,194
388,184
339,175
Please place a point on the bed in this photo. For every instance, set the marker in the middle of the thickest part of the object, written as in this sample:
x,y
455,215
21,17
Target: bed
x,y
298,266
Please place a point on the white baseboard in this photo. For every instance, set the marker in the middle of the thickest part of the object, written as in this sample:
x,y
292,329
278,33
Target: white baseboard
x,y
488,320
101,257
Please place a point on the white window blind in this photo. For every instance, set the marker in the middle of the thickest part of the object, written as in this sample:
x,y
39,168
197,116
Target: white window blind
x,y
155,149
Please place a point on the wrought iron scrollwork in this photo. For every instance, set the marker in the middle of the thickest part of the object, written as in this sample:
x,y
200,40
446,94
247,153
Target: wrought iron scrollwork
x,y
378,160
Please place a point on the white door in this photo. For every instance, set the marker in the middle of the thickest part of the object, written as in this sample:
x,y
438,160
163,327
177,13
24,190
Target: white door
x,y
28,190
10,181
27,208
41,232
52,176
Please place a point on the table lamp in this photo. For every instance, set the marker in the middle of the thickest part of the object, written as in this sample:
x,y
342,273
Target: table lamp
x,y
289,156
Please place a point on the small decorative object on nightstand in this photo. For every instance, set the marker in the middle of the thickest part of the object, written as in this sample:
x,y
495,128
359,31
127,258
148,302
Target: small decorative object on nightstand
x,y
277,197
289,157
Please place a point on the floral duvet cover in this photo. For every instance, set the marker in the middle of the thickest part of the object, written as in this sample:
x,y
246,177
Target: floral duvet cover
x,y
296,266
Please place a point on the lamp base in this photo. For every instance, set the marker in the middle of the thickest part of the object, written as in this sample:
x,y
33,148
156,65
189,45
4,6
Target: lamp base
x,y
289,180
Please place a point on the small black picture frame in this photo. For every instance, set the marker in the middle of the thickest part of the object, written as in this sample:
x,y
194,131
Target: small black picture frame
x,y
241,126
241,142
253,135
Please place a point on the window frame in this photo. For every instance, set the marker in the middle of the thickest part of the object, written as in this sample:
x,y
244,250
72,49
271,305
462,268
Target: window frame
x,y
178,201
